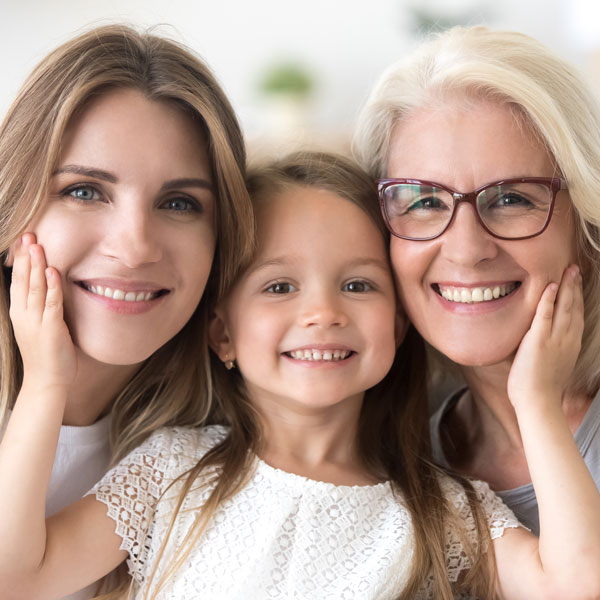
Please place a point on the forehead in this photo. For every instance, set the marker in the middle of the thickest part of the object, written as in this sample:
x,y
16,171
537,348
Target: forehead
x,y
115,120
304,217
465,145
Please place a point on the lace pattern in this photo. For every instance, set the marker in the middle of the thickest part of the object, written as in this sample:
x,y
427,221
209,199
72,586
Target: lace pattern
x,y
281,536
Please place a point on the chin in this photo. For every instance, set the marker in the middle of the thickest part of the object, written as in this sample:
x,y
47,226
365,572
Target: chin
x,y
467,355
118,354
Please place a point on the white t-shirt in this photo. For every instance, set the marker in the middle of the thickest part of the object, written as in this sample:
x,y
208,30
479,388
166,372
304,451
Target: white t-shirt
x,y
82,457
281,536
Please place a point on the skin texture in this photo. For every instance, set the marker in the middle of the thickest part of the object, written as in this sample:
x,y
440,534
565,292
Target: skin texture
x,y
310,288
441,145
321,281
124,229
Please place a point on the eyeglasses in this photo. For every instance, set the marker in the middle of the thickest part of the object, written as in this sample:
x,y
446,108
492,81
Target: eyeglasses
x,y
511,209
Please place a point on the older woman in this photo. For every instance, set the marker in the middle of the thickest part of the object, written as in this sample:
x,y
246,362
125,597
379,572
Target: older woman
x,y
491,149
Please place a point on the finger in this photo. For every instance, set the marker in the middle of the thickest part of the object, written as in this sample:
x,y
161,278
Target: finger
x,y
54,299
36,298
563,312
19,286
542,321
578,306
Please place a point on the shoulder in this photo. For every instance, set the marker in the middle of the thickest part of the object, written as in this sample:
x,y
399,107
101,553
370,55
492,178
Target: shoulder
x,y
497,515
187,441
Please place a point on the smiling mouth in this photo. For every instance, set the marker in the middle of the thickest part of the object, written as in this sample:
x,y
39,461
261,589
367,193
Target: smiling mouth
x,y
474,295
127,296
320,355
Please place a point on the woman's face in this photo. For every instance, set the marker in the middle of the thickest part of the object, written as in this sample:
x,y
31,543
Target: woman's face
x,y
129,224
463,148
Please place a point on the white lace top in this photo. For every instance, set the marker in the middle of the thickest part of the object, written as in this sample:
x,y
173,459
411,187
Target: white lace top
x,y
281,536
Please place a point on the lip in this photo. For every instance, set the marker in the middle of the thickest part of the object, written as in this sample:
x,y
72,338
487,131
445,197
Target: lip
x,y
320,363
330,346
124,307
476,308
127,285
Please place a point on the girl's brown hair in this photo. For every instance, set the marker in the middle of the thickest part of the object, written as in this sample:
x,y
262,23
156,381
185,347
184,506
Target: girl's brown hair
x,y
393,435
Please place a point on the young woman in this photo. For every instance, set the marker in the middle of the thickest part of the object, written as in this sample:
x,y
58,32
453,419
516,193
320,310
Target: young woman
x,y
122,156
312,485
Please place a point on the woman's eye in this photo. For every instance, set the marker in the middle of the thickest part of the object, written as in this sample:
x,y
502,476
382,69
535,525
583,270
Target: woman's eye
x,y
83,193
428,203
357,287
512,200
181,205
281,288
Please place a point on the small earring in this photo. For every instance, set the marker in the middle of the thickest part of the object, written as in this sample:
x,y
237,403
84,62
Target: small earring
x,y
229,364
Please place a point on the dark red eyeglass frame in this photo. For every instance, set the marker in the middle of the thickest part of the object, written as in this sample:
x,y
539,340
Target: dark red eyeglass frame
x,y
555,184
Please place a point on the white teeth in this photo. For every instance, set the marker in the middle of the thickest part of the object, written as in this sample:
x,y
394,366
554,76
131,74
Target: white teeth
x,y
478,294
324,355
120,294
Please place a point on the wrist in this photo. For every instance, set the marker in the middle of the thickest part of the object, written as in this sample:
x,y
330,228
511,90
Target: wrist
x,y
538,405
47,390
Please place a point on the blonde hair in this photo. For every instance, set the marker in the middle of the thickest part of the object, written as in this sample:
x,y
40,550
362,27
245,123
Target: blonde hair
x,y
393,427
544,92
173,385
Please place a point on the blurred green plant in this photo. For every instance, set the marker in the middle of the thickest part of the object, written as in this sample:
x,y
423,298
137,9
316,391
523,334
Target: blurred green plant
x,y
287,78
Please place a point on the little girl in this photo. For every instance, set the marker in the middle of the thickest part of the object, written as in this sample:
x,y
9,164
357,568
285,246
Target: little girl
x,y
313,478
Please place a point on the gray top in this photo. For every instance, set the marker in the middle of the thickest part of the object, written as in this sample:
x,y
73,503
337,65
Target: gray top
x,y
522,499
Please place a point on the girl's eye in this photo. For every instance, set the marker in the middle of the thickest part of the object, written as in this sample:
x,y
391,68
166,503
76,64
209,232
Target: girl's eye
x,y
357,287
181,205
281,288
83,193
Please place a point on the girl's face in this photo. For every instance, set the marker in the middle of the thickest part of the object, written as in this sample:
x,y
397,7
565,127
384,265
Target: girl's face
x,y
129,224
463,149
312,322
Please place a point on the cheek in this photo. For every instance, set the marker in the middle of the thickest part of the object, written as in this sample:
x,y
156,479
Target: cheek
x,y
410,262
60,238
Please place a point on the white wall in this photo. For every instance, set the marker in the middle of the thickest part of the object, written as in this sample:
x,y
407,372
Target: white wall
x,y
346,43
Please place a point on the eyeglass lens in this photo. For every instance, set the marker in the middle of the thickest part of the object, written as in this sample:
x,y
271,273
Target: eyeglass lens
x,y
510,210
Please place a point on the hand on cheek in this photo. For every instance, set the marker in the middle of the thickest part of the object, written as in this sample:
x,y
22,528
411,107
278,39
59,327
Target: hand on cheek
x,y
36,312
548,352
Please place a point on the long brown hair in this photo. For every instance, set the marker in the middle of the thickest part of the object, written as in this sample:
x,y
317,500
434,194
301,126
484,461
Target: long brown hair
x,y
173,386
393,434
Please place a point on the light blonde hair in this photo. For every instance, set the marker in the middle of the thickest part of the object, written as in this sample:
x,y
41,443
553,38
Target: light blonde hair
x,y
393,430
544,92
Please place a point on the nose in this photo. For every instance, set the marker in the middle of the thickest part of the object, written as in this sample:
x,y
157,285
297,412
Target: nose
x,y
323,309
466,242
132,235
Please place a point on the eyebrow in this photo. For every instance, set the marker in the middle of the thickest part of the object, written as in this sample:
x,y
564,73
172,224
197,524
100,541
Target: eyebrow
x,y
186,182
183,182
87,171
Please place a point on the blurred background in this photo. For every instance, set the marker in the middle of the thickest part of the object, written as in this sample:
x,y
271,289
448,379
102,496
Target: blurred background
x,y
297,73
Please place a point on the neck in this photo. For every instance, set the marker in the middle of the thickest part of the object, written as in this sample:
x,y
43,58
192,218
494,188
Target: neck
x,y
318,443
492,406
95,387
481,436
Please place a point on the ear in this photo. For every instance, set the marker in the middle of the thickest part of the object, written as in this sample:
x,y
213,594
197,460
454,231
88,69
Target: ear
x,y
218,337
401,325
